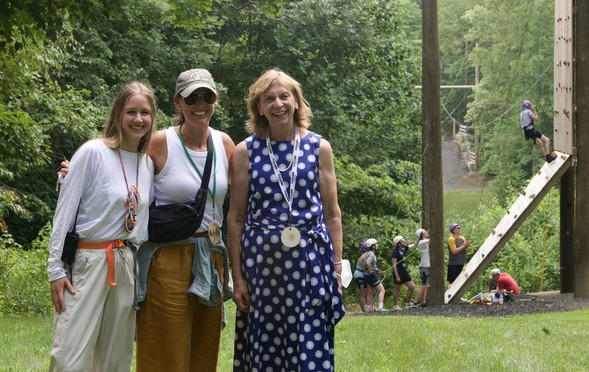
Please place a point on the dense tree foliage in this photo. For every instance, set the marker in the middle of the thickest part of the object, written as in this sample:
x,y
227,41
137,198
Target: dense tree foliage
x,y
358,62
512,44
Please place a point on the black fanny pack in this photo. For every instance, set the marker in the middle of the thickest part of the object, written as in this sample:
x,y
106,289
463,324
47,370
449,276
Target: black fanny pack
x,y
180,220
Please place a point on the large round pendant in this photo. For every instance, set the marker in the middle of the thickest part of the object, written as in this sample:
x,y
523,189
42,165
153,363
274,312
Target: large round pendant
x,y
290,237
214,232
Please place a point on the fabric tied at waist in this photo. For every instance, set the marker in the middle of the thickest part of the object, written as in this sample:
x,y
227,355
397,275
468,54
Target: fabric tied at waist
x,y
110,257
317,256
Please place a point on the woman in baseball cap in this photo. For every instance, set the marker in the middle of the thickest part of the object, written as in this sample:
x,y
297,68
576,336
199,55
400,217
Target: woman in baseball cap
x,y
457,246
178,324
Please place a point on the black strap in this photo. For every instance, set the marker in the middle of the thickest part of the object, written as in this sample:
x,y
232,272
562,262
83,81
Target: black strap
x,y
208,165
73,230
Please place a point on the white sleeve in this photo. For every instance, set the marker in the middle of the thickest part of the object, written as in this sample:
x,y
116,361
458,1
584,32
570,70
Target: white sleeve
x,y
79,176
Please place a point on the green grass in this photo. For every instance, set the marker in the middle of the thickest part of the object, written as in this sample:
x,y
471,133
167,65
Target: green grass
x,y
464,205
540,342
25,343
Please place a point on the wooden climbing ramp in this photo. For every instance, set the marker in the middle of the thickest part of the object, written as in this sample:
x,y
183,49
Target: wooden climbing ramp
x,y
529,198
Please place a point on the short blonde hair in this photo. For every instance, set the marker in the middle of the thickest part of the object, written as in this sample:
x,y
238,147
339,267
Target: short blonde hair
x,y
259,124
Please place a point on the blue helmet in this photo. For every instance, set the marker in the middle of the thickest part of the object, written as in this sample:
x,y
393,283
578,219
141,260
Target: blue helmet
x,y
527,105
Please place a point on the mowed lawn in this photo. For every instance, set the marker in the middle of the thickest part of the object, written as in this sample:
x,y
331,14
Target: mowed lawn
x,y
540,342
465,204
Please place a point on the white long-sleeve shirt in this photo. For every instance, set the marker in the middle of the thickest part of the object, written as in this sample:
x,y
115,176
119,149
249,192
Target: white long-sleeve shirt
x,y
423,248
96,183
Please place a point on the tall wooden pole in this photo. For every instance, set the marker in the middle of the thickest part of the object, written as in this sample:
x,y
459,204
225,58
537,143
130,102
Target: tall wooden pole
x,y
581,94
567,231
564,134
432,183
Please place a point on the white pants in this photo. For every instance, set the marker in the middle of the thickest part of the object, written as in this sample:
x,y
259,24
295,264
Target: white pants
x,y
97,328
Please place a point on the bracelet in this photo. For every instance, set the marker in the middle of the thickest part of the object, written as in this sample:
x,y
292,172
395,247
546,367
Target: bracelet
x,y
337,263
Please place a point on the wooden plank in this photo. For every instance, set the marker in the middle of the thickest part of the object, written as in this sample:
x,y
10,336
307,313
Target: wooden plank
x,y
538,187
563,76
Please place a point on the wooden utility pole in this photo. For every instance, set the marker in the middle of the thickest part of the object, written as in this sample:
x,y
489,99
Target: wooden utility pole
x,y
432,182
581,94
564,133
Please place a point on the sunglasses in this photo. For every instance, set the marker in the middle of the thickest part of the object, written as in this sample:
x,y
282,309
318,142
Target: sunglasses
x,y
207,96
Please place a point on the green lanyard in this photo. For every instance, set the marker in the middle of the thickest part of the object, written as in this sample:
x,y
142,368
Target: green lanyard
x,y
212,193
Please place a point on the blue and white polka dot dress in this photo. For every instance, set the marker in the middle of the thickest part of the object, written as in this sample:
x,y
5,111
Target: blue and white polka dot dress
x,y
294,291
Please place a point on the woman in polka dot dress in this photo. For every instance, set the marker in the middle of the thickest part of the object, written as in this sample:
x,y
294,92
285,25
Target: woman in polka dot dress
x,y
285,235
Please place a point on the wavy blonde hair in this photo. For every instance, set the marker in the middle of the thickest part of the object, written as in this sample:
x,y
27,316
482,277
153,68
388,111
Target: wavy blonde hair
x,y
259,124
112,133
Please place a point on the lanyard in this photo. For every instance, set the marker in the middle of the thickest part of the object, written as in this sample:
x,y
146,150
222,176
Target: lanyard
x,y
133,196
287,193
212,193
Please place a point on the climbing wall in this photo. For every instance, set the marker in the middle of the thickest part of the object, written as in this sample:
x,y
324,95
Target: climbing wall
x,y
539,186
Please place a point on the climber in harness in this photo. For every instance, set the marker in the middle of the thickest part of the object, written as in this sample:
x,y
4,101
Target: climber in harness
x,y
526,120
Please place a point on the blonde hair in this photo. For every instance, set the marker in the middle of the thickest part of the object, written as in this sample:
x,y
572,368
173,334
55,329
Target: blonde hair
x,y
259,124
112,133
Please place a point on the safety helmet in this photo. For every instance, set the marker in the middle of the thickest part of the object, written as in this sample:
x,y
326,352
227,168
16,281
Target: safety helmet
x,y
370,242
363,246
527,105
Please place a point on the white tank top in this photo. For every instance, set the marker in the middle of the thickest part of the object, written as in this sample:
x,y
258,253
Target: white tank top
x,y
178,182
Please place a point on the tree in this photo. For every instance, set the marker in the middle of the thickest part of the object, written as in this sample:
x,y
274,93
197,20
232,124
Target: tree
x,y
511,72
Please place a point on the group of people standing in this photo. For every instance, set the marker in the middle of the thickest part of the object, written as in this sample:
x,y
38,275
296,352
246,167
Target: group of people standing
x,y
284,237
369,278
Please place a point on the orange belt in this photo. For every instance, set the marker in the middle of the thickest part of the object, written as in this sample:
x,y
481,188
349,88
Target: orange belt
x,y
203,234
110,257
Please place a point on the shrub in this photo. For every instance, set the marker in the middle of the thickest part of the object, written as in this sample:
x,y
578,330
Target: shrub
x,y
23,276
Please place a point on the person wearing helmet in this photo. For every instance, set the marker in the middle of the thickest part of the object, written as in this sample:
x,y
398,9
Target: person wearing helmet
x,y
424,265
457,245
371,275
402,276
359,278
526,120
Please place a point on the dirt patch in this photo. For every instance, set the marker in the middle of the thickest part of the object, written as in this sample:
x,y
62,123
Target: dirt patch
x,y
457,176
531,303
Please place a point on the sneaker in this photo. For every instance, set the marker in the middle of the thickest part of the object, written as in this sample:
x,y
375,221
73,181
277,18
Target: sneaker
x,y
397,307
550,158
423,304
412,304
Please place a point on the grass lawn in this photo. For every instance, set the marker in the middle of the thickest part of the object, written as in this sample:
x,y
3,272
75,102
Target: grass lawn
x,y
464,205
540,342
